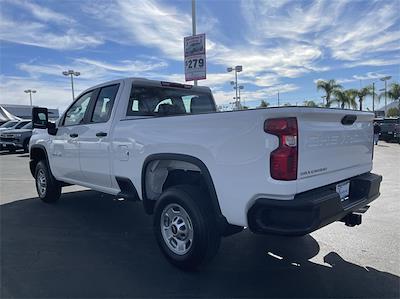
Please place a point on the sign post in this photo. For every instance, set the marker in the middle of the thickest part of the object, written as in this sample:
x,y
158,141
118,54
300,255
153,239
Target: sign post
x,y
195,57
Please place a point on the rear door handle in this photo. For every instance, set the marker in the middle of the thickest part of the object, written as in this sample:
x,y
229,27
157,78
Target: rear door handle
x,y
101,134
73,135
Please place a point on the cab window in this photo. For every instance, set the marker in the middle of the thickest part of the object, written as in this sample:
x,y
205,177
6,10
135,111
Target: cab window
x,y
105,101
76,113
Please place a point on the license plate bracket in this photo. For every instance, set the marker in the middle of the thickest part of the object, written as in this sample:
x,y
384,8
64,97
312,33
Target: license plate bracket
x,y
343,189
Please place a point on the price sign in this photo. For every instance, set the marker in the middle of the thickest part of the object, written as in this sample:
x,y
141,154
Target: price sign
x,y
195,57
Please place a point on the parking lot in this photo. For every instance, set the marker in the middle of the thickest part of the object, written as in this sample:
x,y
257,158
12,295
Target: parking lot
x,y
93,245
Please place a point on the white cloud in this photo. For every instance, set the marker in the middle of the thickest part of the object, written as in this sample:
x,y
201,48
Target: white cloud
x,y
155,25
125,65
288,19
49,93
328,25
370,33
40,35
36,25
373,62
91,69
41,12
148,23
367,76
54,90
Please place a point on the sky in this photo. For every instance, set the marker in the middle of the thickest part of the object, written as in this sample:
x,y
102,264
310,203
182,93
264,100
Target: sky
x,y
283,46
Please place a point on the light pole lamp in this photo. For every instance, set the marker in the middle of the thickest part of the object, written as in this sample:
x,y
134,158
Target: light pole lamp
x,y
385,79
237,70
30,91
71,73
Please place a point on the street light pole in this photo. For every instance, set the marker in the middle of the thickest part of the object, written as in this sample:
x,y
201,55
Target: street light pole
x,y
71,73
240,97
30,91
373,97
385,79
194,25
237,69
236,90
278,99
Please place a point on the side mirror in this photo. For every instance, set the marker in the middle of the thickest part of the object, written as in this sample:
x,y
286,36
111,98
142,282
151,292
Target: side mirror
x,y
40,118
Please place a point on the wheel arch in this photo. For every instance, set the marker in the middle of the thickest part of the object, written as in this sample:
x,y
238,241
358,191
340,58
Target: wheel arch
x,y
149,203
37,153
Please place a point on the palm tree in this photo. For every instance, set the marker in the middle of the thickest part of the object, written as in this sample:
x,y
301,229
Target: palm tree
x,y
346,98
329,87
393,93
363,93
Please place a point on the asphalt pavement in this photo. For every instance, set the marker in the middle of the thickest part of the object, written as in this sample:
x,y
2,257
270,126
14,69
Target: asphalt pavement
x,y
91,245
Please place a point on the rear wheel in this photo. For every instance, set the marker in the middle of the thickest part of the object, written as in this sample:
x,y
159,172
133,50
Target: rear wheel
x,y
185,229
48,188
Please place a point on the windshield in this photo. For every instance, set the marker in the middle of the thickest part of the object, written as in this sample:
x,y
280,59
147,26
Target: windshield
x,y
151,100
27,126
391,121
21,124
8,124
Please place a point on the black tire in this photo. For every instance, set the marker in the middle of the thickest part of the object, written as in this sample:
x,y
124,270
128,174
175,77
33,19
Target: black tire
x,y
205,236
26,146
43,178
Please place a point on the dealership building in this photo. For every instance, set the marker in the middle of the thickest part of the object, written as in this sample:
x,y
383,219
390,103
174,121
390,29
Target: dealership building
x,y
18,112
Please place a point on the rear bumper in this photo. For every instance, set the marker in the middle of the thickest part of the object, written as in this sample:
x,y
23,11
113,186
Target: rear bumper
x,y
313,209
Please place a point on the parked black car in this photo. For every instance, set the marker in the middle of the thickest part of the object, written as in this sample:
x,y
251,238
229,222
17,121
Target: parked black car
x,y
390,129
17,138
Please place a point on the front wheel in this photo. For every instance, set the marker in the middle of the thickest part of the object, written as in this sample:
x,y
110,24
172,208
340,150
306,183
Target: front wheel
x,y
47,187
185,229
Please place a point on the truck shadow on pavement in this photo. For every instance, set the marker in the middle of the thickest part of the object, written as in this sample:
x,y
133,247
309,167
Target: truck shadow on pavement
x,y
92,245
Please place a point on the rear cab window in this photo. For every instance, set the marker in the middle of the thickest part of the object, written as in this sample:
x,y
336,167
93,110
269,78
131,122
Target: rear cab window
x,y
163,101
104,104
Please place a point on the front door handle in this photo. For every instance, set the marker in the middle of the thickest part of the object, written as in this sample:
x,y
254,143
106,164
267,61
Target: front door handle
x,y
73,135
101,134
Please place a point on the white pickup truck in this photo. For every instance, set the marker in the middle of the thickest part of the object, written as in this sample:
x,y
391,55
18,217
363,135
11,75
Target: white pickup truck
x,y
206,174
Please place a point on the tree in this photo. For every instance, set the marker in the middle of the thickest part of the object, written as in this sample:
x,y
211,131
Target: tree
x,y
329,87
245,107
393,93
363,93
393,112
346,98
310,103
263,104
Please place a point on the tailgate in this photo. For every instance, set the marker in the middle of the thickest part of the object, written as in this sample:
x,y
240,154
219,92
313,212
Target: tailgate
x,y
332,147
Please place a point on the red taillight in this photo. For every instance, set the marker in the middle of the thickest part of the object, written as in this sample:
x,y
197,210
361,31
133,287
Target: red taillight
x,y
283,160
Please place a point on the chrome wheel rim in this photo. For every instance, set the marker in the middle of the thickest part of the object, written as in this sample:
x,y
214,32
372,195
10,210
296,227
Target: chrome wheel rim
x,y
176,229
41,183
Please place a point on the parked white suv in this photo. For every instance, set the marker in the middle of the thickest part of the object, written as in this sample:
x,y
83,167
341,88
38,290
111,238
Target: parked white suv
x,y
206,174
